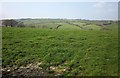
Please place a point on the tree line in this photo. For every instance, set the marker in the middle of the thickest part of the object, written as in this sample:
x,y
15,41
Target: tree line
x,y
12,23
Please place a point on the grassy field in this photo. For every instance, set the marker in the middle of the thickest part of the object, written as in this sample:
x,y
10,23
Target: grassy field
x,y
68,24
66,51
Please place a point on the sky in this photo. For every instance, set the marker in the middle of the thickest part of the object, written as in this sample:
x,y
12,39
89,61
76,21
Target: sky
x,y
71,10
59,0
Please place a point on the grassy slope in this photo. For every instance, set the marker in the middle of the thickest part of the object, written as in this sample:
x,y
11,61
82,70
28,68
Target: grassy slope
x,y
85,52
0,46
66,26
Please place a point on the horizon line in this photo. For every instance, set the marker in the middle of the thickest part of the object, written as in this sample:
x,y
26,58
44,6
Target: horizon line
x,y
58,18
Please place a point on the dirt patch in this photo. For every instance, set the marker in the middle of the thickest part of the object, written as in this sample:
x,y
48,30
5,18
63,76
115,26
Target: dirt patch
x,y
32,70
29,70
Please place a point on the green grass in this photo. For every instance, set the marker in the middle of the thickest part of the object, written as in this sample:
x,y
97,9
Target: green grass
x,y
92,26
66,26
70,24
0,46
84,52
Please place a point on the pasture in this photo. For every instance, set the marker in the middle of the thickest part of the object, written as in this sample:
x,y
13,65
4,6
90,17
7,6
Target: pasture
x,y
76,48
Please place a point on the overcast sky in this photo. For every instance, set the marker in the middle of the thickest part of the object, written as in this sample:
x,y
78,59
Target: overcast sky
x,y
78,10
